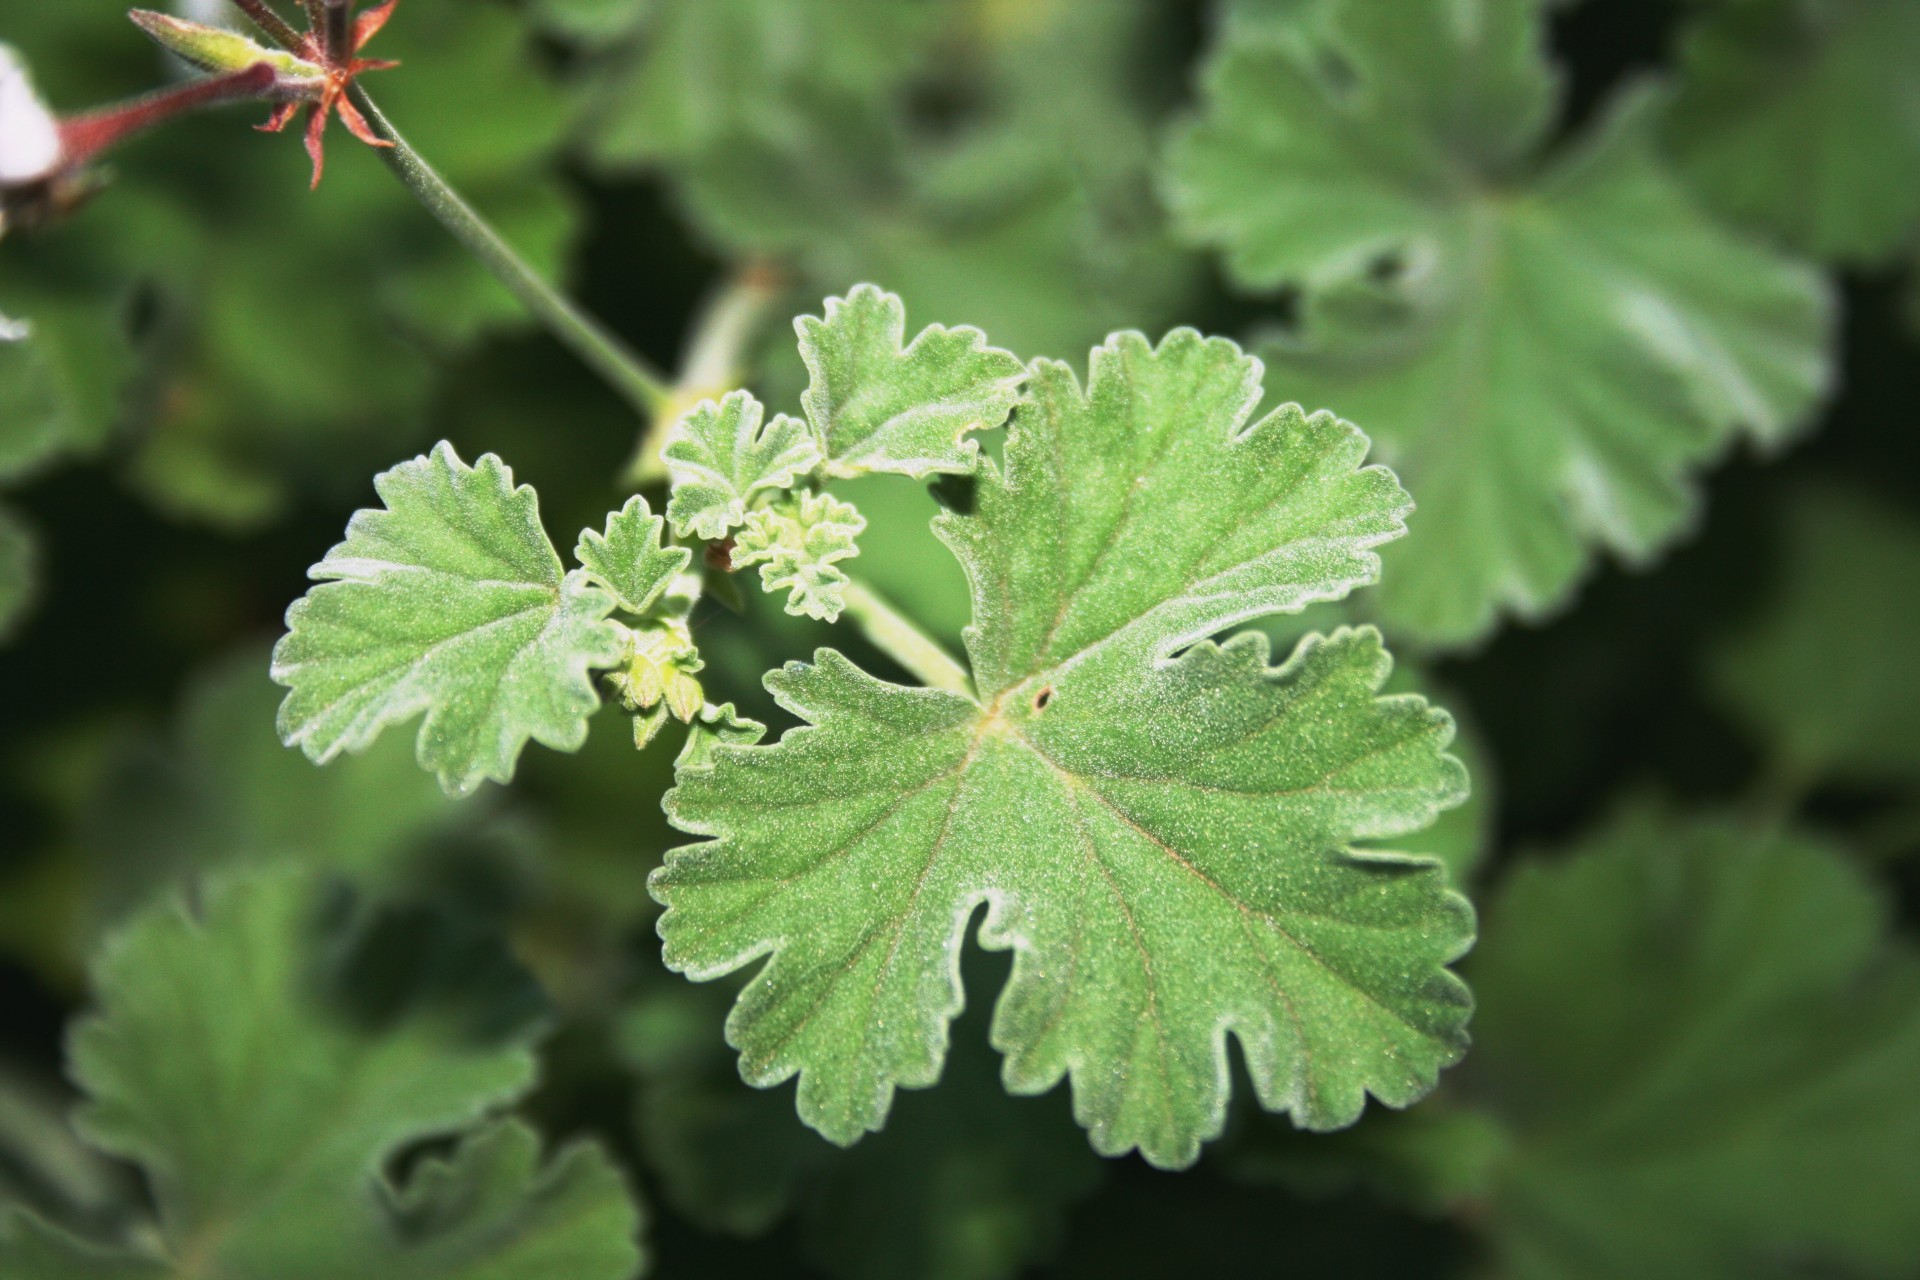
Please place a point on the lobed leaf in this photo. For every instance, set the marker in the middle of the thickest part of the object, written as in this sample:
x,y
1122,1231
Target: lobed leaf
x,y
630,559
798,544
451,601
1161,828
719,458
877,403
264,1117
1542,350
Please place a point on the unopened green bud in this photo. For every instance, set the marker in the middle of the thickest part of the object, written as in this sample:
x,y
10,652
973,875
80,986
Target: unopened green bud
x,y
221,51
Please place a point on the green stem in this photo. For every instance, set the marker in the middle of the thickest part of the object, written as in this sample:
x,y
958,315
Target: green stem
x,y
623,370
895,635
728,322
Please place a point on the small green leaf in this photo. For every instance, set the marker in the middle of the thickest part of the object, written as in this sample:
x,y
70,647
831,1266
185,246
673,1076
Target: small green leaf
x,y
1163,829
1544,350
449,601
719,726
630,559
225,1062
1702,1041
876,404
719,458
797,544
1825,676
1800,119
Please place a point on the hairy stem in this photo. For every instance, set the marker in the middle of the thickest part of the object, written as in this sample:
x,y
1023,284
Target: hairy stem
x,y
711,366
83,137
618,365
268,20
896,635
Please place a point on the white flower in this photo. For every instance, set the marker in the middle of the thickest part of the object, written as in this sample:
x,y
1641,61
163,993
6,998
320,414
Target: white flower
x,y
29,135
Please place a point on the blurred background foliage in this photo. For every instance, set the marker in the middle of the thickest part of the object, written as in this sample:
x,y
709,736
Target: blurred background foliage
x,y
1697,775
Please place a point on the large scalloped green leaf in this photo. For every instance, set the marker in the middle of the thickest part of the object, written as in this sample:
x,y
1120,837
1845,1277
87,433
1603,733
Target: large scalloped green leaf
x,y
263,1111
1161,828
1544,349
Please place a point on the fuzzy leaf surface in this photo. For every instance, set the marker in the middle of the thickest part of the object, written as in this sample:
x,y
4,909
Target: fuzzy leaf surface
x,y
449,600
1803,120
1702,1042
1543,349
879,403
630,559
719,457
263,1115
798,545
1159,826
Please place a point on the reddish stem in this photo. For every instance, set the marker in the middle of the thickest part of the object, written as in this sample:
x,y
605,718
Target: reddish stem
x,y
85,136
336,35
278,29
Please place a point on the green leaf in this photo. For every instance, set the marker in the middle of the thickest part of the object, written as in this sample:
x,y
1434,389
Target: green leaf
x,y
264,1116
630,559
1544,350
450,600
719,458
878,404
1824,676
19,573
1703,1042
1803,119
797,544
1162,828
715,727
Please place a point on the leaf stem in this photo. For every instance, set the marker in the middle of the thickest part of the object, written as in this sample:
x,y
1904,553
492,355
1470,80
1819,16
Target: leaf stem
x,y
728,321
618,365
896,635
